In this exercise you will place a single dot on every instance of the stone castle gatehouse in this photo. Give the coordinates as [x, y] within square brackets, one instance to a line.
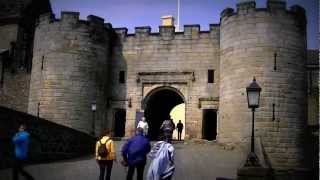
[77, 62]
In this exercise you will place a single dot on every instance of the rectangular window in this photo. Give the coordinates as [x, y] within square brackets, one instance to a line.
[122, 77]
[210, 76]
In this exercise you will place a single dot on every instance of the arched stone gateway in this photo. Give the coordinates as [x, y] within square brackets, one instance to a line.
[157, 107]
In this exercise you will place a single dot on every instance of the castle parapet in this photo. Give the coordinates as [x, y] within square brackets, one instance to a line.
[70, 17]
[95, 21]
[274, 5]
[300, 16]
[142, 31]
[227, 13]
[121, 32]
[192, 30]
[45, 18]
[246, 6]
[167, 32]
[70, 22]
[108, 25]
[214, 30]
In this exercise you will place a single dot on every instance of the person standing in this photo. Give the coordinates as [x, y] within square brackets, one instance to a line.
[162, 165]
[179, 128]
[167, 128]
[21, 143]
[135, 152]
[105, 155]
[144, 125]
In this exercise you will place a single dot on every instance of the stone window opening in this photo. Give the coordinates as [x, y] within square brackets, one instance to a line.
[275, 62]
[42, 63]
[122, 77]
[210, 76]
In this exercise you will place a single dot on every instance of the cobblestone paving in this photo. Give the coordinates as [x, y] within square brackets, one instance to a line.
[193, 162]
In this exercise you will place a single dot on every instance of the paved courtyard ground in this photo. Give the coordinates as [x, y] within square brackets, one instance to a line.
[193, 161]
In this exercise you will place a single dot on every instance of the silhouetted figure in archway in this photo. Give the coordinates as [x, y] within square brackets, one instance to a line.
[179, 128]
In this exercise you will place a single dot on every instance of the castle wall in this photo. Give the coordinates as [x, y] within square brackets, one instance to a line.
[70, 71]
[15, 90]
[185, 56]
[9, 34]
[313, 87]
[250, 38]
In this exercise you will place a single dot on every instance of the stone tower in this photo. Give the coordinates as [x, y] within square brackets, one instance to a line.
[69, 70]
[269, 44]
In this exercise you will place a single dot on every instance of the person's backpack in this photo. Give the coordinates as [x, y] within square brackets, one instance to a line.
[102, 149]
[167, 126]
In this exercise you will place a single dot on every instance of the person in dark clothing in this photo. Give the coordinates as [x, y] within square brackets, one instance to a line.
[21, 143]
[179, 128]
[135, 153]
[167, 128]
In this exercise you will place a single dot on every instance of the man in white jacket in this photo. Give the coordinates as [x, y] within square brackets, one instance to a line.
[144, 125]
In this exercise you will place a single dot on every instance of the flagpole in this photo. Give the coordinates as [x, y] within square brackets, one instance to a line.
[178, 18]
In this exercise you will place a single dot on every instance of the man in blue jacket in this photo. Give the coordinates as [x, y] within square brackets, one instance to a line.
[135, 153]
[21, 142]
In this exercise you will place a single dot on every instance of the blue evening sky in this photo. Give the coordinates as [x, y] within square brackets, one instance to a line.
[133, 13]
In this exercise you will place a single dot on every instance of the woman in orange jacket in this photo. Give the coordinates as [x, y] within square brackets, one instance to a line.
[105, 155]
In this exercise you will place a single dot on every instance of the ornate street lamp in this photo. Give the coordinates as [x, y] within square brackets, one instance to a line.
[253, 97]
[93, 109]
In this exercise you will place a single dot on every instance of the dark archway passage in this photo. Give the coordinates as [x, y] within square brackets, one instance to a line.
[157, 108]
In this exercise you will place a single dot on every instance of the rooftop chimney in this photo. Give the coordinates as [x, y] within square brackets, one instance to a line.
[167, 20]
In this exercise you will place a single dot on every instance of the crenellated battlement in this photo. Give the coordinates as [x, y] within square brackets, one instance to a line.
[72, 19]
[192, 31]
[143, 30]
[274, 7]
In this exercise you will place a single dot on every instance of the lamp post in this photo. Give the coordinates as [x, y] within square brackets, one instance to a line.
[253, 97]
[93, 109]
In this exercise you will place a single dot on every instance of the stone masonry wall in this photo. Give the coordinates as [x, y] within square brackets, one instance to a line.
[186, 55]
[14, 93]
[70, 70]
[269, 44]
[313, 87]
[8, 34]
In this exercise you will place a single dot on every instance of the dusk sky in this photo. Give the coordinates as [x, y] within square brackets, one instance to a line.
[133, 13]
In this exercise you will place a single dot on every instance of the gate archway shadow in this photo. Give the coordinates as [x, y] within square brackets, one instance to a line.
[158, 105]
